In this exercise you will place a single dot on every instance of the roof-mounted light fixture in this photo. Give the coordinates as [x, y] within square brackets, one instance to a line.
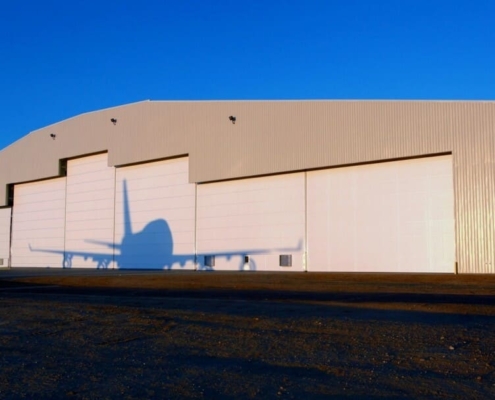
[53, 136]
[114, 121]
[233, 119]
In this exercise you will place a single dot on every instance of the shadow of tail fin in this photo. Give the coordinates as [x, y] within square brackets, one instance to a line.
[127, 213]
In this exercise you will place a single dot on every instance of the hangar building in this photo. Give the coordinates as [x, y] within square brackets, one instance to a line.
[364, 186]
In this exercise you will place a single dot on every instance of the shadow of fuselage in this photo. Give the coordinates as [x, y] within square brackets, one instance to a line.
[150, 248]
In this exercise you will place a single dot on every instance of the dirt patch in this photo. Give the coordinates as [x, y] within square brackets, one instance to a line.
[247, 335]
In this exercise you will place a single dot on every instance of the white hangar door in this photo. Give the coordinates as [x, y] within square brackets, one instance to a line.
[248, 224]
[5, 214]
[38, 224]
[386, 217]
[155, 216]
[90, 212]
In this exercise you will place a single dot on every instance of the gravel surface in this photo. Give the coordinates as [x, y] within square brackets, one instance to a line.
[175, 335]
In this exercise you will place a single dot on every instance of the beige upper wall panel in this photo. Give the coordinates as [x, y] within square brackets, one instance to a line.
[268, 136]
[280, 136]
[276, 136]
[474, 186]
[36, 156]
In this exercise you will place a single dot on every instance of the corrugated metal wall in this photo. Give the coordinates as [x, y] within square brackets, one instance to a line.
[277, 136]
[473, 129]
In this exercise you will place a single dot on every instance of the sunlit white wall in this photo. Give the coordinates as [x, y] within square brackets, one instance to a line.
[38, 224]
[260, 218]
[90, 212]
[386, 217]
[4, 236]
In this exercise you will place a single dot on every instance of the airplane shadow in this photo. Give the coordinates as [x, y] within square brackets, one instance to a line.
[153, 249]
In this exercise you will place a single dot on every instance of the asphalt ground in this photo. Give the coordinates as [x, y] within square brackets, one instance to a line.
[181, 334]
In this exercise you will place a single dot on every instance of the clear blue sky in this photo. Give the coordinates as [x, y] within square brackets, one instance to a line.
[62, 58]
